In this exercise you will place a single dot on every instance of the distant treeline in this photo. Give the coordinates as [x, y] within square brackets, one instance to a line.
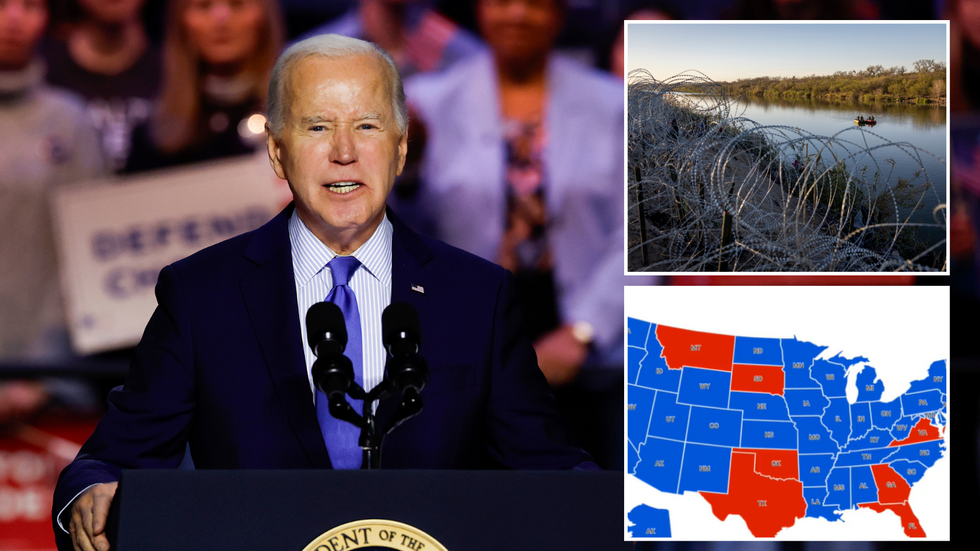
[925, 83]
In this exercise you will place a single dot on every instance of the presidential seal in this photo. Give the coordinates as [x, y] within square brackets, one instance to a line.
[374, 534]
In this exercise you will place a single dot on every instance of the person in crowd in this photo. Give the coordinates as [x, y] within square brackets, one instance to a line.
[417, 36]
[105, 55]
[964, 52]
[217, 55]
[530, 145]
[46, 142]
[224, 363]
[523, 166]
[611, 53]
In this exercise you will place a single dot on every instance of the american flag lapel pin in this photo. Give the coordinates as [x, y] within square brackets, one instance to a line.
[418, 289]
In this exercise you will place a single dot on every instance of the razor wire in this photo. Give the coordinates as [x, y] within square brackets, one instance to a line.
[715, 191]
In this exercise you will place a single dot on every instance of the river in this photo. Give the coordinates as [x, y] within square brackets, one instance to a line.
[923, 126]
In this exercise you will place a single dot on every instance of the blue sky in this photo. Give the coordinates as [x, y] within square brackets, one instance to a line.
[729, 51]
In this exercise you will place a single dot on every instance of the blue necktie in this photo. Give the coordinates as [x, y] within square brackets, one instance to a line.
[341, 436]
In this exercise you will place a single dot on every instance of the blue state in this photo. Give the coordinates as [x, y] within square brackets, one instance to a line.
[797, 358]
[805, 402]
[911, 471]
[639, 407]
[759, 405]
[780, 435]
[863, 486]
[633, 358]
[839, 488]
[669, 418]
[847, 362]
[865, 457]
[814, 468]
[721, 427]
[837, 417]
[653, 369]
[814, 437]
[757, 351]
[815, 507]
[660, 464]
[885, 414]
[935, 380]
[875, 438]
[831, 378]
[868, 389]
[902, 428]
[860, 419]
[637, 332]
[705, 387]
[921, 402]
[705, 468]
[926, 453]
[649, 522]
[632, 457]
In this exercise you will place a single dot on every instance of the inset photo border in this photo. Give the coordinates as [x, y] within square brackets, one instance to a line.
[790, 147]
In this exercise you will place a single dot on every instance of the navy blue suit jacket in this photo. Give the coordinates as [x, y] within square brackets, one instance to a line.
[221, 366]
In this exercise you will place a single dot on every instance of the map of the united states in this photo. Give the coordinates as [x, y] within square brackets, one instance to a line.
[763, 429]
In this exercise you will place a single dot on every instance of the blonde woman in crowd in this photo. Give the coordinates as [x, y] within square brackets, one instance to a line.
[217, 56]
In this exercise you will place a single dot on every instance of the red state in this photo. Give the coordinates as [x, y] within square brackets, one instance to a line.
[909, 523]
[923, 431]
[696, 349]
[892, 488]
[758, 378]
[767, 505]
[775, 463]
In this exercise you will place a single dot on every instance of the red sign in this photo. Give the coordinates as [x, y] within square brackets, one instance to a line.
[31, 458]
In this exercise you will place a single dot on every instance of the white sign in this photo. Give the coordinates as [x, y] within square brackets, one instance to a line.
[115, 235]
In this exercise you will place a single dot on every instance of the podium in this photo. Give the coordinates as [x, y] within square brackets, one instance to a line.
[289, 510]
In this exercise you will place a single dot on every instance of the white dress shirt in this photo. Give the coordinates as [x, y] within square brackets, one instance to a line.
[371, 284]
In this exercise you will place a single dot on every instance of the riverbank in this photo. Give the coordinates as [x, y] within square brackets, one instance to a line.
[867, 98]
[925, 85]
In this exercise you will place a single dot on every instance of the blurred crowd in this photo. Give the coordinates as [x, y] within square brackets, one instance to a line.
[516, 142]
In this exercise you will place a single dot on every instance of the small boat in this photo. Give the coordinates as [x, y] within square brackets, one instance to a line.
[865, 122]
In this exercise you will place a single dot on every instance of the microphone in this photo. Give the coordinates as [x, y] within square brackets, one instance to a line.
[326, 331]
[333, 373]
[407, 372]
[401, 334]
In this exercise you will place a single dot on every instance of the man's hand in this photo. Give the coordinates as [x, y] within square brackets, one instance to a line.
[560, 356]
[88, 517]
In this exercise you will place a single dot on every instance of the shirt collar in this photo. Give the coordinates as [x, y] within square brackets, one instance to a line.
[310, 255]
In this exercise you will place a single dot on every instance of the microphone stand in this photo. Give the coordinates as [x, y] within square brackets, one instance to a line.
[406, 372]
[371, 439]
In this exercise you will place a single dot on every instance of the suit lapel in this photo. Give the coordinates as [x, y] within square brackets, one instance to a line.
[409, 254]
[270, 297]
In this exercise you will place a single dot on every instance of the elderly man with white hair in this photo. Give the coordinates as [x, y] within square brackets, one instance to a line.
[224, 365]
